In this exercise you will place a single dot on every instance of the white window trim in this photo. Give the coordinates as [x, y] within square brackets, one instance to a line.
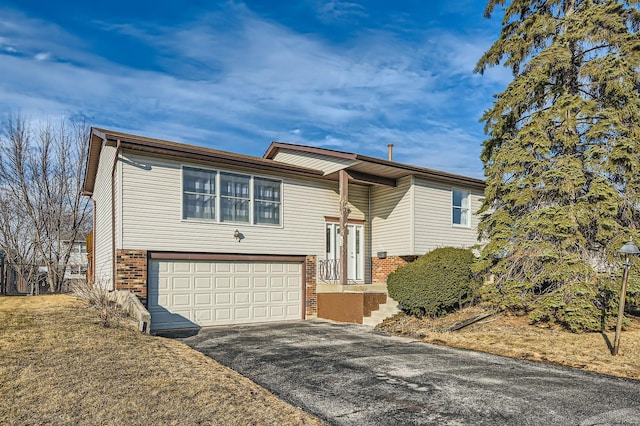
[468, 208]
[218, 197]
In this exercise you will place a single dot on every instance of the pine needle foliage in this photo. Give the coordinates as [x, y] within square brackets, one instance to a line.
[562, 158]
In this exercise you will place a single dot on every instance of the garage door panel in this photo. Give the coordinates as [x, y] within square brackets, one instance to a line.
[242, 267]
[202, 293]
[277, 311]
[242, 314]
[277, 282]
[277, 268]
[293, 282]
[180, 283]
[203, 315]
[203, 283]
[242, 298]
[241, 283]
[222, 315]
[260, 297]
[260, 282]
[203, 299]
[223, 298]
[163, 283]
[260, 268]
[293, 268]
[222, 267]
[181, 300]
[293, 296]
[181, 267]
[276, 296]
[223, 282]
[162, 267]
[260, 313]
[201, 267]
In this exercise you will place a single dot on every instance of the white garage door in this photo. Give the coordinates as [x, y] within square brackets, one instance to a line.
[186, 293]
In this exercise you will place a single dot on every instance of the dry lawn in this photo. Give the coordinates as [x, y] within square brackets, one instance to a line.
[514, 337]
[59, 366]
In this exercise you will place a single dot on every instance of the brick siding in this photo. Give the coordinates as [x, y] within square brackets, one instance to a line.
[311, 298]
[131, 272]
[381, 268]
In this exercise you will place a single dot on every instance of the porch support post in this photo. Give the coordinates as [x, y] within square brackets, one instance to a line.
[344, 217]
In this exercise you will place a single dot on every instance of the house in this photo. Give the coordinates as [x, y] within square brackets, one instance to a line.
[208, 237]
[78, 263]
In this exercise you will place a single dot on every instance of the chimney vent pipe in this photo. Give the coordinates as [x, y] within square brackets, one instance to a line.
[390, 150]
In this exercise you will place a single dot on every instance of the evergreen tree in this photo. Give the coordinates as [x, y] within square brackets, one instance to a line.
[562, 158]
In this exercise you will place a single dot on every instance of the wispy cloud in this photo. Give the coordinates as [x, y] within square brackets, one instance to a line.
[235, 81]
[42, 56]
[337, 10]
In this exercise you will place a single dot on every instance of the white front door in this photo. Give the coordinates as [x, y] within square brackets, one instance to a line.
[355, 247]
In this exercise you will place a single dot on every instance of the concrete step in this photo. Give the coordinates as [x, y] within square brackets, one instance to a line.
[383, 312]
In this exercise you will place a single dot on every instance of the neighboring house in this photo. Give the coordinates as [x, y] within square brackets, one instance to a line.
[78, 263]
[209, 237]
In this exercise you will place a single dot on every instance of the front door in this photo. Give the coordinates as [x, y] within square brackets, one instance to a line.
[355, 241]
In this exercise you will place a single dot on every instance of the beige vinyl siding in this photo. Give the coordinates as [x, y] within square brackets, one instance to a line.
[102, 237]
[152, 214]
[391, 218]
[433, 222]
[313, 161]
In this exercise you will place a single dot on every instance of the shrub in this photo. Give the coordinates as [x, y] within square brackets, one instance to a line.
[98, 297]
[436, 283]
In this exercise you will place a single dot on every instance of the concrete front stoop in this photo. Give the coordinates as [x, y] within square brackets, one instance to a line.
[384, 311]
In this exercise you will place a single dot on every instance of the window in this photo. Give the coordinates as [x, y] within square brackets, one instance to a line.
[460, 208]
[198, 194]
[267, 201]
[236, 198]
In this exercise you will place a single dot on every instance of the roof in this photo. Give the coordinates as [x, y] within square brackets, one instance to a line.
[363, 169]
[163, 148]
[378, 167]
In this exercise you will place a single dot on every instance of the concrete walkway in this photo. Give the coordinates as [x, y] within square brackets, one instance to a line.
[349, 375]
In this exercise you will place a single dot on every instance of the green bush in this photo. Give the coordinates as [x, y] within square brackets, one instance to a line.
[436, 283]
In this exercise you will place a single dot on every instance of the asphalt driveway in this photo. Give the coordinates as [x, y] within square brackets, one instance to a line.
[348, 374]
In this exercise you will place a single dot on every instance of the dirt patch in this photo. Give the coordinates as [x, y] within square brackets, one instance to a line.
[59, 366]
[514, 337]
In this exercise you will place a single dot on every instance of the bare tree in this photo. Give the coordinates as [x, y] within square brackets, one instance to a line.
[41, 170]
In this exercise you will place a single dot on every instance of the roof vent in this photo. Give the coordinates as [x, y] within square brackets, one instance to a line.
[390, 150]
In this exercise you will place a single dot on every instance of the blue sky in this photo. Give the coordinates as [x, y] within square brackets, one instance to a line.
[344, 75]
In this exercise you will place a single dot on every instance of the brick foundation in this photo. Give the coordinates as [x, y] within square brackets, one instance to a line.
[131, 272]
[311, 298]
[381, 268]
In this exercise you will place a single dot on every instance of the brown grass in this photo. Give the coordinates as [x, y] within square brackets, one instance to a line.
[59, 366]
[514, 337]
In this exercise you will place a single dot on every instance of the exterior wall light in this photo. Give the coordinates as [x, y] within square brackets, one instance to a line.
[628, 249]
[236, 235]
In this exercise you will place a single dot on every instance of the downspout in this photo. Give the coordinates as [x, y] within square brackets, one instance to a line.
[113, 216]
[370, 239]
[93, 244]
